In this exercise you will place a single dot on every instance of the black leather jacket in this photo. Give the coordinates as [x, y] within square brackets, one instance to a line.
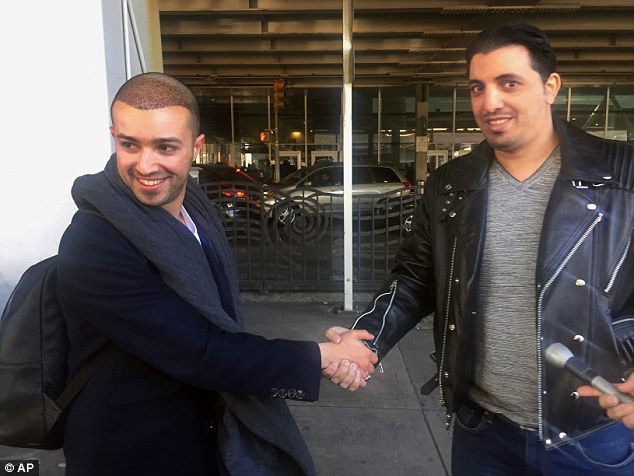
[584, 281]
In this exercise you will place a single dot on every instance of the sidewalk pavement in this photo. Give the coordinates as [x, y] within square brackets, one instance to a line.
[387, 428]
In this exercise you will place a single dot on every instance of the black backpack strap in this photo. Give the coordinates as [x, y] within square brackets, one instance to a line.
[84, 374]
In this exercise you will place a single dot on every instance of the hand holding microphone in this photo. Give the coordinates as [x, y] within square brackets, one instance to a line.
[560, 356]
[623, 412]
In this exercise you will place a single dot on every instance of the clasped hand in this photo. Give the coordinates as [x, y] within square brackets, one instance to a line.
[345, 360]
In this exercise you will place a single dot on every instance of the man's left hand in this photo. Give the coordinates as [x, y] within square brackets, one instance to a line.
[623, 412]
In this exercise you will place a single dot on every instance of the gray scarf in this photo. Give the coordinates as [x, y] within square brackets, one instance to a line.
[257, 436]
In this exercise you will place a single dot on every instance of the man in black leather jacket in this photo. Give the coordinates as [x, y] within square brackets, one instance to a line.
[522, 243]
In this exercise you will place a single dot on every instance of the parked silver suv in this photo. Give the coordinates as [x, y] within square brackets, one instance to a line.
[372, 187]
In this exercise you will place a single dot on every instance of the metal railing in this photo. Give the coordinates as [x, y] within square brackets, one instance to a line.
[294, 241]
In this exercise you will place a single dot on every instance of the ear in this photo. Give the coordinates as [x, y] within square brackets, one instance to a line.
[198, 143]
[551, 87]
[112, 131]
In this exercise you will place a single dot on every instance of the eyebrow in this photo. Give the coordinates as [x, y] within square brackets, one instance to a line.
[162, 140]
[502, 77]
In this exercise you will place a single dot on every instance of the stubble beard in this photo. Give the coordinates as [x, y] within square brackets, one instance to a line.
[159, 198]
[498, 141]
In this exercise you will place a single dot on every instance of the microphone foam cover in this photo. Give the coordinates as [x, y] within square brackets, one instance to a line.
[558, 354]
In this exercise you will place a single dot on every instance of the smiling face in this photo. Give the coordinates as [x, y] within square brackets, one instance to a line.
[155, 149]
[510, 101]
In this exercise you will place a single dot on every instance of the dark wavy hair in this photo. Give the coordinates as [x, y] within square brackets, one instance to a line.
[543, 59]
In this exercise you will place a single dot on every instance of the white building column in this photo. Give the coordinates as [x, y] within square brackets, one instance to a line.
[63, 63]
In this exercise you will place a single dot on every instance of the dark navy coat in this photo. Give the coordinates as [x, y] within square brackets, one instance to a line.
[150, 407]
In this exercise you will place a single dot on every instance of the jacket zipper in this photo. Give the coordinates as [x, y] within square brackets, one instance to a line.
[392, 294]
[618, 268]
[540, 300]
[446, 327]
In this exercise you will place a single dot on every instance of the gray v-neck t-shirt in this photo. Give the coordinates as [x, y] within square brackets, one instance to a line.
[506, 337]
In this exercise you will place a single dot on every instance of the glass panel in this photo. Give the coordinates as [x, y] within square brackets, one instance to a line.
[440, 118]
[398, 128]
[324, 113]
[560, 106]
[465, 122]
[251, 118]
[621, 113]
[447, 143]
[364, 125]
[250, 113]
[587, 108]
[215, 123]
[290, 120]
[324, 122]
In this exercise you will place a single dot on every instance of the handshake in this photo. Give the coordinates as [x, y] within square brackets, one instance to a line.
[345, 360]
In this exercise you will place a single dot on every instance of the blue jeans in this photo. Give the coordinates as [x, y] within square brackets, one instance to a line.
[494, 447]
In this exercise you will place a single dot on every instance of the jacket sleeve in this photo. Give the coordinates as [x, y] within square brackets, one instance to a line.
[108, 290]
[408, 294]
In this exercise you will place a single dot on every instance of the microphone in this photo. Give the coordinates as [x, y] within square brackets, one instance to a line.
[560, 356]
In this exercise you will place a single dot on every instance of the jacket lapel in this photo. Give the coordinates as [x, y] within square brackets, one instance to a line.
[573, 207]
